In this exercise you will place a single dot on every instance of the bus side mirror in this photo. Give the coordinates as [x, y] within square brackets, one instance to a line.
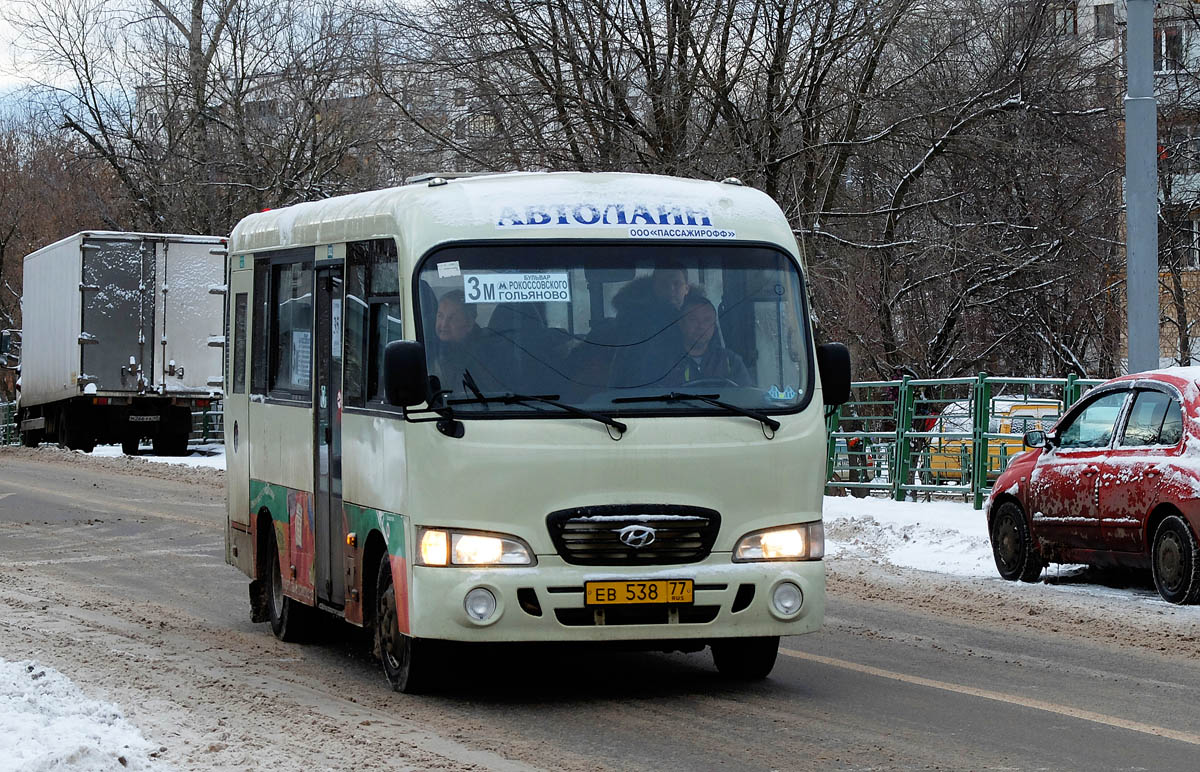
[833, 360]
[404, 378]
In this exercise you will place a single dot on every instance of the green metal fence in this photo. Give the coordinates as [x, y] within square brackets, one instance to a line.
[940, 436]
[8, 424]
[208, 425]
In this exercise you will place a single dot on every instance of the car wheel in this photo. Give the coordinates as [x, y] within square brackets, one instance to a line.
[1175, 561]
[1012, 546]
[746, 659]
[405, 659]
[289, 618]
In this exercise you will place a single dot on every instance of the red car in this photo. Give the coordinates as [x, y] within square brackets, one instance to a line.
[1116, 482]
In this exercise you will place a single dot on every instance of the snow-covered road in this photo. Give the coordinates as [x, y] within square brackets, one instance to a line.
[49, 723]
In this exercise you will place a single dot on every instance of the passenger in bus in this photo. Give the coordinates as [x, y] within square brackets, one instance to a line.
[650, 326]
[671, 285]
[463, 347]
[704, 358]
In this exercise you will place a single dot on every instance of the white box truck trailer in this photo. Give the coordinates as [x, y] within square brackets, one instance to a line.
[121, 339]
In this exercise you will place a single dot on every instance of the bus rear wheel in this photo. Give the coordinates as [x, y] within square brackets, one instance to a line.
[745, 659]
[289, 618]
[404, 657]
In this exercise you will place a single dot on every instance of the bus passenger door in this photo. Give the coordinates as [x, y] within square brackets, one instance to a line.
[236, 407]
[330, 522]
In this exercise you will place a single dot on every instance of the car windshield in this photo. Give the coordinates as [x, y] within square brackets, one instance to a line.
[590, 324]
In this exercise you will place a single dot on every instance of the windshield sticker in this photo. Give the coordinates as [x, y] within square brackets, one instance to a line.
[448, 270]
[517, 288]
[600, 214]
[787, 393]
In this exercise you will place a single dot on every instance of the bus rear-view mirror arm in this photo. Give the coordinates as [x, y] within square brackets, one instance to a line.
[833, 361]
[405, 379]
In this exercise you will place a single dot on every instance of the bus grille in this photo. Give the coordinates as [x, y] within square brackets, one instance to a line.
[591, 536]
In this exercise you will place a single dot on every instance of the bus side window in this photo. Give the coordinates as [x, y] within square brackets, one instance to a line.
[291, 329]
[260, 335]
[372, 318]
[239, 343]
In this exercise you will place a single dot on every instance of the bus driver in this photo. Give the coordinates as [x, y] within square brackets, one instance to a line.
[704, 357]
[462, 344]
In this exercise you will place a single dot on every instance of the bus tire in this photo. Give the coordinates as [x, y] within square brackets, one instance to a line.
[745, 659]
[402, 655]
[288, 617]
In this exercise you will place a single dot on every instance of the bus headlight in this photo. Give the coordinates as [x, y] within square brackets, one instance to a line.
[440, 547]
[794, 542]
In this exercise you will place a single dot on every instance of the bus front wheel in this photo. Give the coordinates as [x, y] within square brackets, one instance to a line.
[402, 655]
[746, 659]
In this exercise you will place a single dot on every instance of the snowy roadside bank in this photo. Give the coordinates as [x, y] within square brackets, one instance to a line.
[49, 724]
[211, 456]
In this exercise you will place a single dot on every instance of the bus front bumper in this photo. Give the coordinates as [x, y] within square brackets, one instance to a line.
[546, 602]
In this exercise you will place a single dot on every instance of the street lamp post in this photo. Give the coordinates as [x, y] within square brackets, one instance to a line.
[1141, 189]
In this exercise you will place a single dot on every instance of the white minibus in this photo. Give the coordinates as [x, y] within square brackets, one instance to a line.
[553, 407]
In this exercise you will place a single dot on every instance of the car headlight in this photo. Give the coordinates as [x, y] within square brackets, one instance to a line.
[794, 542]
[443, 546]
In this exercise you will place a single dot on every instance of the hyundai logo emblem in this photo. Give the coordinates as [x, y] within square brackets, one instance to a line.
[636, 536]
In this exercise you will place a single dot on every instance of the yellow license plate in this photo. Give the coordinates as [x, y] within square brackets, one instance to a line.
[651, 591]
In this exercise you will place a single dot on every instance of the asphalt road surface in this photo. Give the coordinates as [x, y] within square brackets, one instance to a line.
[117, 579]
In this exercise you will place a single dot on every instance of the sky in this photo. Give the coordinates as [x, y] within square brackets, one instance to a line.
[8, 78]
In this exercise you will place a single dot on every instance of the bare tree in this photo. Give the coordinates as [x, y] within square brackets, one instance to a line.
[208, 109]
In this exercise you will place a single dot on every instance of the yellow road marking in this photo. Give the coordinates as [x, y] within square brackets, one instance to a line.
[1012, 699]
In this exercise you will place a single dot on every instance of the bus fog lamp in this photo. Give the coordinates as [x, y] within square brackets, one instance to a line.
[787, 599]
[480, 604]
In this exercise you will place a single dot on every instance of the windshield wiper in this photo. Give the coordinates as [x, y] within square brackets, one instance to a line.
[469, 382]
[510, 398]
[711, 399]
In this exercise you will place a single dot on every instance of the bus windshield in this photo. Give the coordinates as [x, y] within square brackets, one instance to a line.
[614, 328]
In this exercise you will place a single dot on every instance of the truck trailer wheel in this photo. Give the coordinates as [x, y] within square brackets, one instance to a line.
[176, 429]
[131, 445]
[61, 428]
[171, 443]
[74, 431]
